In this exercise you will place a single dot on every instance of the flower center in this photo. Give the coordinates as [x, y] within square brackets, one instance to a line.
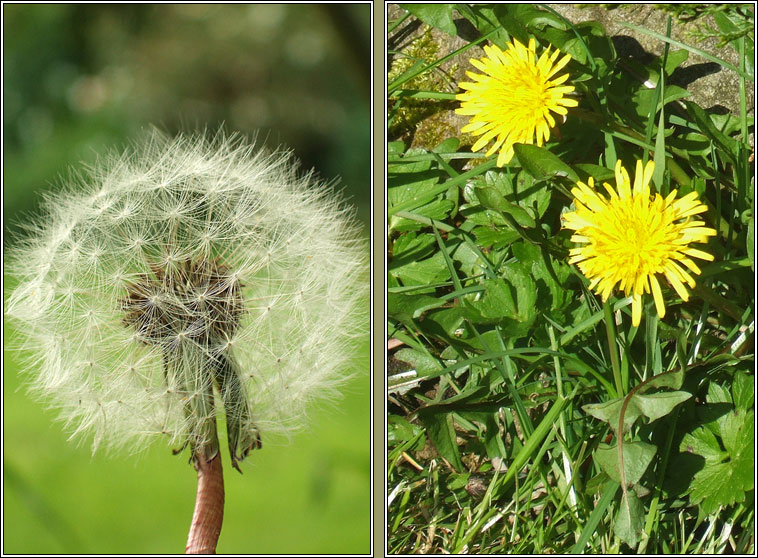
[523, 91]
[635, 239]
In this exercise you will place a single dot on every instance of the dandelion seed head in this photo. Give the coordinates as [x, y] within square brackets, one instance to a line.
[188, 277]
[630, 238]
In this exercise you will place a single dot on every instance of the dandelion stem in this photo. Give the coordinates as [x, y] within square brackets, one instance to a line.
[209, 506]
[610, 328]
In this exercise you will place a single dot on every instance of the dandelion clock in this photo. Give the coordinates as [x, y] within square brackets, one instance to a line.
[183, 280]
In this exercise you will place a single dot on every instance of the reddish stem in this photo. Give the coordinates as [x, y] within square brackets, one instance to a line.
[209, 507]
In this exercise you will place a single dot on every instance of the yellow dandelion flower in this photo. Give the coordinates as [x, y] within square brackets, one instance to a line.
[512, 99]
[630, 238]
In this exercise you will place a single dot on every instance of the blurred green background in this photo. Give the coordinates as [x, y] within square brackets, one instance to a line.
[80, 79]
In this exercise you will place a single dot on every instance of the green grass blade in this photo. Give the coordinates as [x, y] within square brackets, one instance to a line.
[609, 493]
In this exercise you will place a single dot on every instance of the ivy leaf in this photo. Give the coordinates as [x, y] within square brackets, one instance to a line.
[660, 404]
[652, 406]
[637, 458]
[630, 519]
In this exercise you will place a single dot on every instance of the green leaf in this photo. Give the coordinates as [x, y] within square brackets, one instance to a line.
[435, 15]
[730, 24]
[437, 210]
[551, 294]
[498, 301]
[423, 363]
[743, 391]
[599, 173]
[450, 145]
[410, 247]
[630, 519]
[541, 163]
[411, 180]
[750, 240]
[400, 430]
[425, 272]
[652, 406]
[671, 379]
[520, 198]
[645, 99]
[439, 427]
[408, 307]
[490, 198]
[458, 481]
[485, 19]
[716, 486]
[728, 469]
[608, 411]
[493, 440]
[659, 405]
[675, 59]
[445, 322]
[487, 237]
[637, 458]
[529, 194]
[593, 35]
[702, 442]
[508, 301]
[726, 145]
[395, 148]
[732, 428]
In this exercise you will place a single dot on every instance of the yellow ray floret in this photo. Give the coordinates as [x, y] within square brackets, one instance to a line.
[512, 99]
[629, 239]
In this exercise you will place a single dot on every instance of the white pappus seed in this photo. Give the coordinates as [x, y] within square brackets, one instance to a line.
[185, 267]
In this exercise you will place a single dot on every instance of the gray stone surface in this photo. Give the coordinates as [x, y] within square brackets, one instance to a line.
[712, 85]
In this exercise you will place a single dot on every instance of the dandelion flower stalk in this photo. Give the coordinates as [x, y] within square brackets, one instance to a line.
[185, 278]
[511, 101]
[630, 238]
[209, 508]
